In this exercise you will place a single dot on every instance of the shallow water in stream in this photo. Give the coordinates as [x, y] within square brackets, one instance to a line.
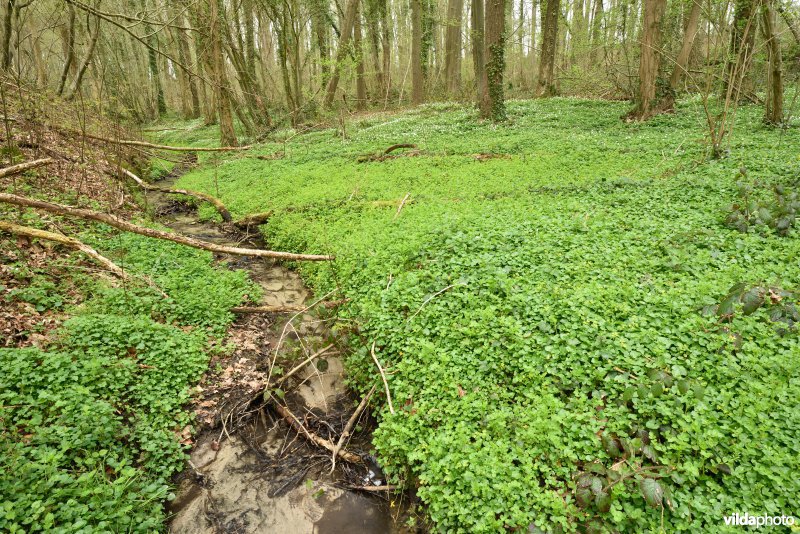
[237, 481]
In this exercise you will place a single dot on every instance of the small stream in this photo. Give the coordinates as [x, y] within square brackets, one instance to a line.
[245, 481]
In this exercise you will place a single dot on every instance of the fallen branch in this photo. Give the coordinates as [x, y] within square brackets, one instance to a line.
[373, 488]
[22, 167]
[126, 226]
[71, 242]
[389, 203]
[289, 308]
[383, 377]
[255, 219]
[295, 423]
[398, 147]
[77, 245]
[218, 205]
[305, 362]
[402, 203]
[387, 154]
[349, 426]
[144, 144]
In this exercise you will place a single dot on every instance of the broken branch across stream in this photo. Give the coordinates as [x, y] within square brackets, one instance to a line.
[121, 224]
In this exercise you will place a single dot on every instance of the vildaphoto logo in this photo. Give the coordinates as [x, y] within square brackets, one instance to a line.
[747, 520]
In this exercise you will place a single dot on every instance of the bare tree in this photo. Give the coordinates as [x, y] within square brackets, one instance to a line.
[452, 58]
[545, 83]
[492, 102]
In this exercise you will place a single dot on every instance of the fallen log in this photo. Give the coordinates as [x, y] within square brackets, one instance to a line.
[144, 144]
[295, 423]
[255, 219]
[126, 226]
[22, 167]
[218, 205]
[387, 154]
[71, 242]
[288, 308]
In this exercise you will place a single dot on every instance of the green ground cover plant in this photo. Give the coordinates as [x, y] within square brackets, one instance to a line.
[91, 427]
[562, 307]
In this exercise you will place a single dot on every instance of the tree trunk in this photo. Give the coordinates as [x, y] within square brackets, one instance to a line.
[650, 59]
[595, 37]
[492, 102]
[452, 57]
[227, 135]
[386, 47]
[69, 49]
[417, 73]
[689, 34]
[790, 21]
[361, 83]
[478, 61]
[7, 29]
[76, 84]
[774, 102]
[341, 53]
[545, 84]
[741, 51]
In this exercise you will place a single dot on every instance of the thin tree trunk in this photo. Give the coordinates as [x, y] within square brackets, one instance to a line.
[386, 47]
[595, 36]
[361, 84]
[7, 30]
[492, 103]
[545, 83]
[342, 51]
[478, 22]
[741, 50]
[689, 34]
[76, 84]
[69, 49]
[417, 73]
[774, 102]
[452, 58]
[790, 21]
[227, 135]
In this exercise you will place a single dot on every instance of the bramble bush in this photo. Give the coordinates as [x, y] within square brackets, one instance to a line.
[571, 331]
[90, 429]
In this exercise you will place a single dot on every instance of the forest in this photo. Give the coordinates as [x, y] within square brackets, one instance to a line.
[399, 266]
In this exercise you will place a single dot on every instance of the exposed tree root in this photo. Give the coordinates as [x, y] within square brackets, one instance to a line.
[126, 226]
[218, 205]
[22, 167]
[295, 423]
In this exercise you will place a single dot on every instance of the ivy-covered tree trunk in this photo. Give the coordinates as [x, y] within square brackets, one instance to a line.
[227, 135]
[492, 103]
[773, 113]
[545, 84]
[478, 21]
[649, 62]
[741, 50]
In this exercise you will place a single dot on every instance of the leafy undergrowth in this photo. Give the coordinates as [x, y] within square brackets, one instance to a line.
[93, 423]
[559, 306]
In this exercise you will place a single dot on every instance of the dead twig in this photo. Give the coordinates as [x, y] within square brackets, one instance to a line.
[349, 427]
[383, 377]
[402, 203]
[295, 423]
[305, 362]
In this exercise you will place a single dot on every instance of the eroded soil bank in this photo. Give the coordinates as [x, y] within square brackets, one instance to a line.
[249, 470]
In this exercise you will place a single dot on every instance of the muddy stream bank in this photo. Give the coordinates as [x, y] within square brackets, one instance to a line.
[249, 472]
